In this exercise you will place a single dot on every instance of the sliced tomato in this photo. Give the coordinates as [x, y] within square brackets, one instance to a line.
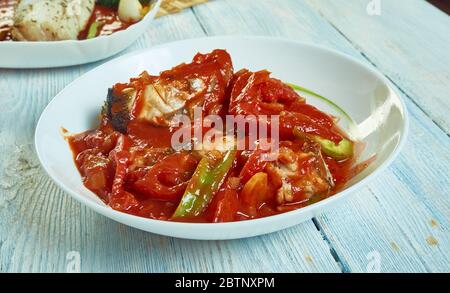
[312, 112]
[167, 179]
[119, 198]
[254, 164]
[97, 171]
[289, 120]
[227, 202]
[256, 93]
[215, 70]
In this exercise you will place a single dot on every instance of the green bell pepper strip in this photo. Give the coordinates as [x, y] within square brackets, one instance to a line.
[93, 29]
[341, 151]
[206, 181]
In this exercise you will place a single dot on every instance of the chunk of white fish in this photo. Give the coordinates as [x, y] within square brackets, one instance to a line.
[316, 180]
[51, 20]
[163, 100]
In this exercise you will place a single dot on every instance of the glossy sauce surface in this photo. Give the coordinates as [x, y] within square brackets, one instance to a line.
[141, 134]
[108, 19]
[129, 161]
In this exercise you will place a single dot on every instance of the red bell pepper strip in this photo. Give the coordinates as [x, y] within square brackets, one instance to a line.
[228, 201]
[120, 199]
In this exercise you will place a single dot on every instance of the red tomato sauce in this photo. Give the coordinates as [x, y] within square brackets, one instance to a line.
[6, 18]
[108, 19]
[92, 152]
[134, 168]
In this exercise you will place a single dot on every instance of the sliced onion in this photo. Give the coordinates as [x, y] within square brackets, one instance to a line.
[130, 10]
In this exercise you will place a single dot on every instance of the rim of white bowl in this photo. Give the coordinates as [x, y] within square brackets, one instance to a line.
[121, 216]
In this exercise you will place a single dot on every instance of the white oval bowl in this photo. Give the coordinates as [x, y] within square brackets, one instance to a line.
[379, 115]
[72, 52]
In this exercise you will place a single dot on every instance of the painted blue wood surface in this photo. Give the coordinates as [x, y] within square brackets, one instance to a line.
[402, 216]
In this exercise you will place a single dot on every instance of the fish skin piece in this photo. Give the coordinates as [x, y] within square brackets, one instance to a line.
[51, 20]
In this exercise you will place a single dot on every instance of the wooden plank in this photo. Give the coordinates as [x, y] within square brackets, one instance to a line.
[41, 224]
[409, 42]
[286, 251]
[392, 215]
[392, 46]
[403, 214]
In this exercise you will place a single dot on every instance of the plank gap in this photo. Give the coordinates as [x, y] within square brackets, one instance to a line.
[197, 18]
[343, 265]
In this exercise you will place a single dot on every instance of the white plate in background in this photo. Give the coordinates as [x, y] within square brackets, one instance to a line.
[368, 97]
[16, 54]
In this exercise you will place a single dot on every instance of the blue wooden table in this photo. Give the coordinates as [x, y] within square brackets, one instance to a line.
[398, 223]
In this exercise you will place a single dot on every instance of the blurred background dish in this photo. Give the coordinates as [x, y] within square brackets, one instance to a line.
[80, 31]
